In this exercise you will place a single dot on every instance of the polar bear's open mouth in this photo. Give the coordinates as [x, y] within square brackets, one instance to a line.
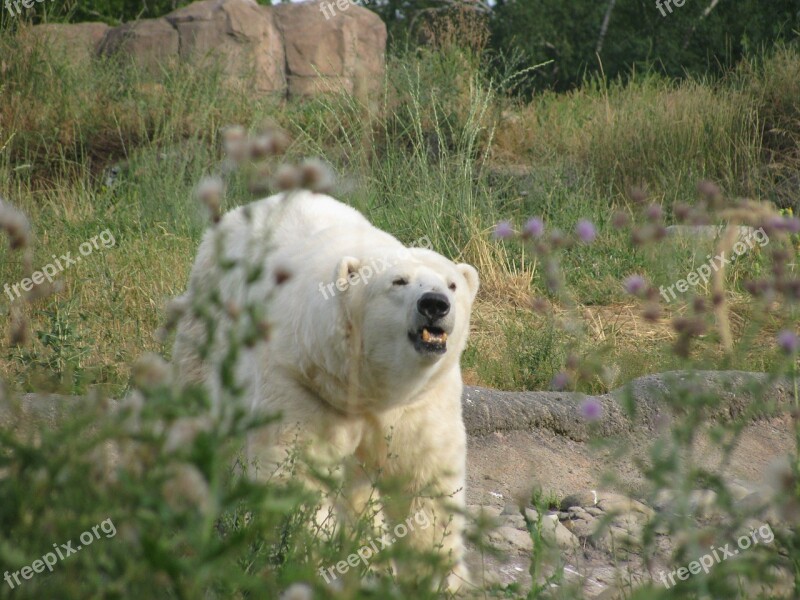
[429, 340]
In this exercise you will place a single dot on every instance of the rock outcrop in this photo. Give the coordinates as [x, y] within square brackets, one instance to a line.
[239, 33]
[149, 43]
[345, 52]
[288, 49]
[80, 41]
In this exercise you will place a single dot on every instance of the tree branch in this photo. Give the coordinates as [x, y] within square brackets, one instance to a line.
[604, 26]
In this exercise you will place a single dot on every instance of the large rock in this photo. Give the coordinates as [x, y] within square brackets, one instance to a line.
[740, 393]
[324, 53]
[290, 48]
[80, 41]
[238, 33]
[149, 43]
[239, 36]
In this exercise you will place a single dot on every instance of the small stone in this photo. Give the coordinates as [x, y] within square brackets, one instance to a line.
[554, 532]
[532, 515]
[586, 498]
[577, 510]
[510, 509]
[664, 499]
[740, 489]
[755, 501]
[610, 502]
[517, 521]
[488, 513]
[511, 539]
[702, 502]
[298, 591]
[582, 528]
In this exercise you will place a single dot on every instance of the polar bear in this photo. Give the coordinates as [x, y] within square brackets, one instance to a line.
[360, 357]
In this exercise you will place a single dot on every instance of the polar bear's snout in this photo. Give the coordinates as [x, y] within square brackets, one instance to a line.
[433, 322]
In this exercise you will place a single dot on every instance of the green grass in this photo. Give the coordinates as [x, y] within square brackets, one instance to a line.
[426, 160]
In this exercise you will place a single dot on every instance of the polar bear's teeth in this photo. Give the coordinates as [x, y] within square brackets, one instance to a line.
[428, 337]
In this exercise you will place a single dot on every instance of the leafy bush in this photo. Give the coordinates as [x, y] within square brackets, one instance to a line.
[686, 41]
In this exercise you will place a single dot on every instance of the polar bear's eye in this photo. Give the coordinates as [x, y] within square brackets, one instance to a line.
[400, 281]
[452, 287]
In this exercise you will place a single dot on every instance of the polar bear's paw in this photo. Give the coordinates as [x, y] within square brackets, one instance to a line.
[458, 581]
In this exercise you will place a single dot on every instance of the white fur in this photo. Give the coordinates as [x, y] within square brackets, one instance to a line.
[340, 369]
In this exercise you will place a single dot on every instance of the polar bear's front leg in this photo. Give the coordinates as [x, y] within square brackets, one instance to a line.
[310, 444]
[434, 520]
[428, 445]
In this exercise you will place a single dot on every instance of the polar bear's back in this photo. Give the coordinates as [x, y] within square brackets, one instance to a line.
[303, 214]
[283, 229]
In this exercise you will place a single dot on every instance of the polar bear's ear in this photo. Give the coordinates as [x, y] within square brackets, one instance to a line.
[471, 275]
[344, 270]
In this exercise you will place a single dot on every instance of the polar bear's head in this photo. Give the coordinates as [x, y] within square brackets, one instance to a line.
[411, 308]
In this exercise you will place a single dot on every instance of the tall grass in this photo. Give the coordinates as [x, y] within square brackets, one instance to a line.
[442, 153]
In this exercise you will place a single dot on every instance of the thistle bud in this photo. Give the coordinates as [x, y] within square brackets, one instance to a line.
[234, 143]
[210, 191]
[19, 327]
[287, 178]
[150, 371]
[316, 176]
[16, 226]
[637, 195]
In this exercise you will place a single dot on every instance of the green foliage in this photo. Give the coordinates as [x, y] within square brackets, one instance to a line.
[638, 39]
[531, 355]
[55, 362]
[112, 12]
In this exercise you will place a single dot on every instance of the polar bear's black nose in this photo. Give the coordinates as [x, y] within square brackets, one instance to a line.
[433, 305]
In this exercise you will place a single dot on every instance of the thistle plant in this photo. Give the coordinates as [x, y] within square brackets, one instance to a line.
[693, 409]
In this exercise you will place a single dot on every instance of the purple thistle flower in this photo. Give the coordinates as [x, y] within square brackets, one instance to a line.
[585, 231]
[634, 285]
[654, 212]
[534, 227]
[776, 223]
[792, 225]
[591, 409]
[560, 381]
[788, 341]
[503, 230]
